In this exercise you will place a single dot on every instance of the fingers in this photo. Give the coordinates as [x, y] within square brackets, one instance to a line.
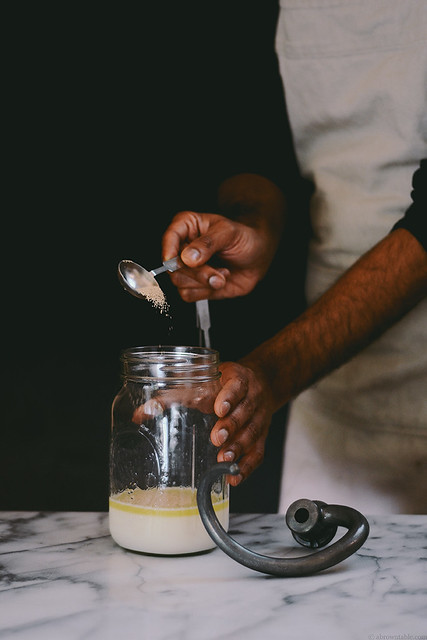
[148, 410]
[210, 234]
[235, 385]
[247, 449]
[156, 407]
[183, 229]
[243, 423]
[241, 440]
[248, 463]
[198, 236]
[196, 284]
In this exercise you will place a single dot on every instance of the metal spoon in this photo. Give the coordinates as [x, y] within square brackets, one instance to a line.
[135, 279]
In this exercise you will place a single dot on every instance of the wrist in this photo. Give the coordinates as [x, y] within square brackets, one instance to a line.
[264, 369]
[254, 201]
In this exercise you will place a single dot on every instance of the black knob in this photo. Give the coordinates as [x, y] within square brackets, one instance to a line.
[306, 521]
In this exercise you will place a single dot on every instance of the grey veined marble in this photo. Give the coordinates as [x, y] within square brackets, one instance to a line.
[63, 578]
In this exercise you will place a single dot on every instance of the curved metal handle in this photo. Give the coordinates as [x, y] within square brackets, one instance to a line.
[313, 524]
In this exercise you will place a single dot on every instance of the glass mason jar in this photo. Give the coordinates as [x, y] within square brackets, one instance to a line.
[160, 447]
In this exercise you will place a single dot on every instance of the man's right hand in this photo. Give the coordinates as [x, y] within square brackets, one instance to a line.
[239, 249]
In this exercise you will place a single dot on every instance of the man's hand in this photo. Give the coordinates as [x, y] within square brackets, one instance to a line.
[242, 242]
[238, 248]
[244, 409]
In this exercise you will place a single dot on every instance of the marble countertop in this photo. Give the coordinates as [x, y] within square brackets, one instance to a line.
[63, 577]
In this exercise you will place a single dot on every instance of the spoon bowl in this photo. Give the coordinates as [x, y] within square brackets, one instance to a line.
[135, 279]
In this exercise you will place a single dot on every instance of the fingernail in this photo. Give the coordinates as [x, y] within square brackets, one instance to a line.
[224, 408]
[229, 456]
[216, 282]
[222, 436]
[191, 254]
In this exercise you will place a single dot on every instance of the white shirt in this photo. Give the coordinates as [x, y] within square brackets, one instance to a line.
[355, 80]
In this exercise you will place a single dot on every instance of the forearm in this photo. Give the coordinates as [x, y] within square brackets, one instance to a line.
[377, 291]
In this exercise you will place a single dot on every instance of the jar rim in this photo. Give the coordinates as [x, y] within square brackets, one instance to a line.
[177, 363]
[161, 348]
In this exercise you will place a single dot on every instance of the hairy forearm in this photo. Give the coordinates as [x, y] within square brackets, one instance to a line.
[377, 291]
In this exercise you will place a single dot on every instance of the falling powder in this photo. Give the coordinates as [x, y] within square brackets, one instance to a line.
[138, 281]
[155, 295]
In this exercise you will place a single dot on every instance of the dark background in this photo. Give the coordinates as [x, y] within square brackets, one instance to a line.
[117, 120]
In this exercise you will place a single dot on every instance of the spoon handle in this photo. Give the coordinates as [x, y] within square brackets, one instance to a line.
[168, 265]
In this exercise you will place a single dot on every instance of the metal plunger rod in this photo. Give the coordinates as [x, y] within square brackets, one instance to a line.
[203, 322]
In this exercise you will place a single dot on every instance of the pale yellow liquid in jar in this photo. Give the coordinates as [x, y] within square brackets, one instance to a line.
[162, 521]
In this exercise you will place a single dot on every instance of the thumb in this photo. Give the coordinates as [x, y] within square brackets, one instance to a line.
[218, 238]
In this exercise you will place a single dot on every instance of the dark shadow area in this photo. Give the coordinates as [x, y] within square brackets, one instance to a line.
[119, 120]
